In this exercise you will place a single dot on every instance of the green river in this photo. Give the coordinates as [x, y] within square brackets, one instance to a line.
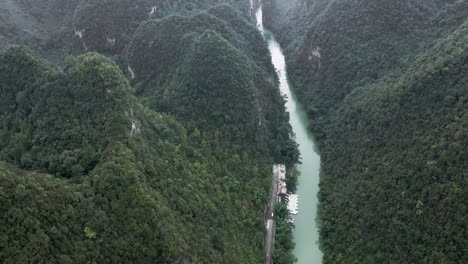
[306, 233]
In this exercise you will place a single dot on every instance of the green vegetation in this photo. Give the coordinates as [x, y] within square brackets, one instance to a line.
[60, 122]
[108, 25]
[284, 236]
[212, 70]
[200, 68]
[385, 87]
[53, 27]
[45, 26]
[181, 172]
[109, 180]
[408, 168]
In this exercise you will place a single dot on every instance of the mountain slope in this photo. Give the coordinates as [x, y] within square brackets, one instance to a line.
[45, 26]
[55, 28]
[204, 70]
[385, 88]
[403, 179]
[144, 188]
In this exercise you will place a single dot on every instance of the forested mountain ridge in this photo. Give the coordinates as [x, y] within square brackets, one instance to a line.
[121, 28]
[162, 151]
[117, 155]
[95, 169]
[385, 87]
[58, 27]
[45, 26]
[369, 41]
[408, 169]
[36, 104]
[175, 62]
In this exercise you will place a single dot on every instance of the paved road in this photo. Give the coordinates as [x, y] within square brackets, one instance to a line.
[270, 216]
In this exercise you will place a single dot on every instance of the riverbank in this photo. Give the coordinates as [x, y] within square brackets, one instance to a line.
[306, 232]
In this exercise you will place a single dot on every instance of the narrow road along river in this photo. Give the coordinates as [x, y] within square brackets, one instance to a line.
[306, 233]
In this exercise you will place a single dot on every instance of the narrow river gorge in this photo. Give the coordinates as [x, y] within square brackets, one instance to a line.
[306, 232]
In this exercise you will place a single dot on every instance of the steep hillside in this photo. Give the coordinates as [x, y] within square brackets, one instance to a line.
[384, 85]
[211, 69]
[45, 113]
[171, 166]
[128, 185]
[59, 27]
[348, 44]
[46, 25]
[399, 165]
[108, 26]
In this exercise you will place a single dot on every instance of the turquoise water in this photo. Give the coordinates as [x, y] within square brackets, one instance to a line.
[306, 233]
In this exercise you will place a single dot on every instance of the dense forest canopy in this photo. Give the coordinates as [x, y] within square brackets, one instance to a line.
[144, 131]
[385, 87]
[140, 156]
[176, 61]
[57, 27]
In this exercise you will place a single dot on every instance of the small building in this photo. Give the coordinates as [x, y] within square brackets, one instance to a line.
[282, 172]
[282, 190]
